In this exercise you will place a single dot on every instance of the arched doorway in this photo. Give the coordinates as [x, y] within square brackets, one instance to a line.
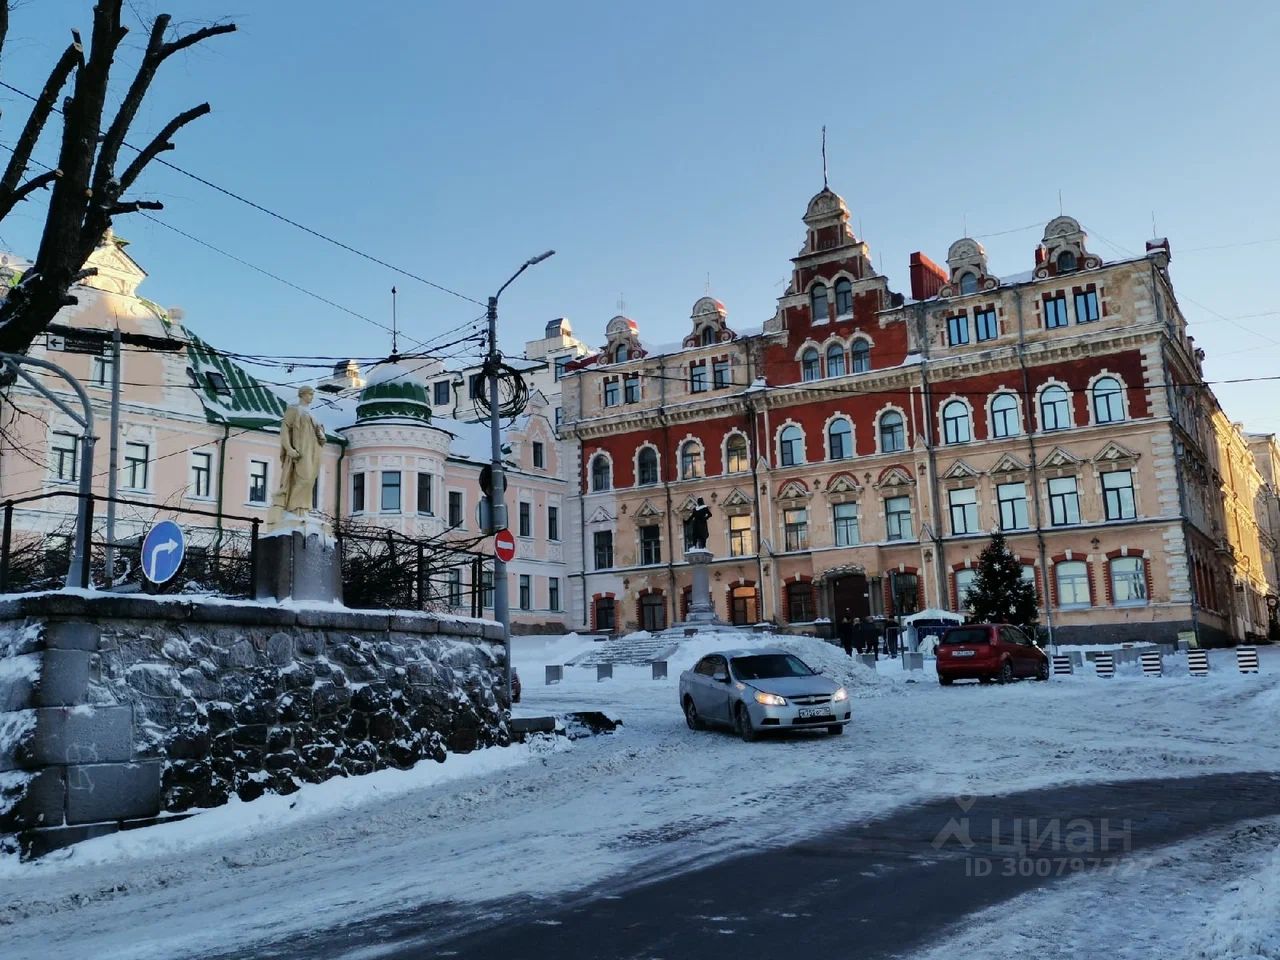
[744, 605]
[653, 612]
[850, 596]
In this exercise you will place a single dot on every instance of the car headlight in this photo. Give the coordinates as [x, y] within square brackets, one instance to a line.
[770, 699]
[841, 694]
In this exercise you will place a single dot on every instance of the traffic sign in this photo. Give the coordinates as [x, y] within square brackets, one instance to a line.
[163, 551]
[504, 546]
[486, 480]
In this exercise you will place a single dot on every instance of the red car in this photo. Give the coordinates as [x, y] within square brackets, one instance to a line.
[989, 652]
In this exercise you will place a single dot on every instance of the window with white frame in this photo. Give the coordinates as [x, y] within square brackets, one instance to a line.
[442, 392]
[1128, 581]
[1064, 501]
[201, 474]
[456, 518]
[486, 588]
[357, 493]
[897, 515]
[526, 519]
[647, 466]
[454, 585]
[795, 528]
[1073, 583]
[736, 457]
[1055, 408]
[845, 518]
[835, 360]
[258, 471]
[601, 473]
[692, 465]
[553, 523]
[526, 591]
[964, 581]
[810, 365]
[956, 424]
[985, 323]
[1117, 495]
[64, 457]
[964, 510]
[893, 433]
[602, 548]
[137, 466]
[844, 297]
[1108, 400]
[650, 545]
[102, 364]
[539, 455]
[1012, 500]
[553, 593]
[740, 539]
[1005, 421]
[389, 501]
[791, 445]
[425, 503]
[840, 439]
[958, 329]
[859, 356]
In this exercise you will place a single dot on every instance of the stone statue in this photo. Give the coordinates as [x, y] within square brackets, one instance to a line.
[301, 446]
[698, 520]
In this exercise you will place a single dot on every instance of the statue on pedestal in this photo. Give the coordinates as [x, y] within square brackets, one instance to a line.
[698, 520]
[302, 442]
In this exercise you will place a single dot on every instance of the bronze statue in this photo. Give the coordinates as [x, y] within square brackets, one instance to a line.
[698, 524]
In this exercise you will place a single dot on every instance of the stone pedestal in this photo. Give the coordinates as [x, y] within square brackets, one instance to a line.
[701, 609]
[293, 565]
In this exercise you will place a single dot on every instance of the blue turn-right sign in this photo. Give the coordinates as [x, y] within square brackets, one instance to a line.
[162, 552]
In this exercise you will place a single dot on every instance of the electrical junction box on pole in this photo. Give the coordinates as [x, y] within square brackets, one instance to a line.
[484, 518]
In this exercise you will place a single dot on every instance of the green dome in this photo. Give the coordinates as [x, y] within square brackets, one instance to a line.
[394, 394]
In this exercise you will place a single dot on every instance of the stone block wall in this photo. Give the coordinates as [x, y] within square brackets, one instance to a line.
[116, 709]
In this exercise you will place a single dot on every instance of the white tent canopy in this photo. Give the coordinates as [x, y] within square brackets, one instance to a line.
[934, 614]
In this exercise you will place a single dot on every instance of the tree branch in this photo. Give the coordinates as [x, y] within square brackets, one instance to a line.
[133, 206]
[21, 158]
[28, 188]
[161, 143]
[192, 39]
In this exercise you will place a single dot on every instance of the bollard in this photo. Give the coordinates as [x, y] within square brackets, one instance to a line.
[1198, 662]
[1247, 659]
[604, 671]
[1104, 664]
[659, 669]
[912, 661]
[1062, 665]
[554, 674]
[1152, 664]
[1077, 659]
[868, 660]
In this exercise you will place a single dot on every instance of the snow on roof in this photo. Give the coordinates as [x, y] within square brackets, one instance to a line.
[471, 441]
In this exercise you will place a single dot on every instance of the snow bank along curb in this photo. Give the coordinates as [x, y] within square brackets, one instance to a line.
[113, 709]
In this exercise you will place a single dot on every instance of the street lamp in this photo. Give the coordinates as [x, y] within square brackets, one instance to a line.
[497, 478]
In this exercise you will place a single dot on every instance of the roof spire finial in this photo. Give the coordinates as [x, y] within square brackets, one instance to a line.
[395, 353]
[824, 156]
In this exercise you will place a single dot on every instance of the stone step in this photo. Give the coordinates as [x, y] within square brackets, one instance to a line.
[637, 652]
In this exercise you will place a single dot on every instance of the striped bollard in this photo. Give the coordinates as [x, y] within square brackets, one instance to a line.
[1104, 664]
[1247, 659]
[1062, 664]
[604, 671]
[1198, 662]
[1152, 664]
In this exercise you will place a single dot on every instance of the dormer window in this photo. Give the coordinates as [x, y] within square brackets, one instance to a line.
[622, 354]
[844, 297]
[818, 303]
[708, 336]
[217, 383]
[968, 283]
[1066, 261]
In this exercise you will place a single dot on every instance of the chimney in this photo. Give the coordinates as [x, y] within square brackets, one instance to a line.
[927, 278]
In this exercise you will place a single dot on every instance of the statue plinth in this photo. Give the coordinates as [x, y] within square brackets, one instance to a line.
[298, 563]
[701, 608]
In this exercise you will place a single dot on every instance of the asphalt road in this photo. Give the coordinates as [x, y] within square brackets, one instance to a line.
[874, 889]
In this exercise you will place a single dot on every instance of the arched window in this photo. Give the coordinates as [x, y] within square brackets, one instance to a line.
[653, 612]
[818, 303]
[1073, 583]
[708, 336]
[604, 614]
[736, 459]
[1055, 408]
[844, 297]
[893, 434]
[1004, 416]
[956, 427]
[691, 464]
[835, 360]
[601, 475]
[791, 445]
[840, 439]
[1128, 581]
[1066, 261]
[800, 602]
[622, 354]
[860, 357]
[1108, 400]
[968, 283]
[647, 466]
[809, 365]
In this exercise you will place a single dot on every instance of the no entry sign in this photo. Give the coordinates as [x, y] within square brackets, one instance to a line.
[504, 546]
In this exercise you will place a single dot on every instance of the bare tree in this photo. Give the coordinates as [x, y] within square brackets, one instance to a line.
[87, 190]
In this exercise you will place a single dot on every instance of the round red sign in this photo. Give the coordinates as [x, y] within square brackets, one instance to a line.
[504, 546]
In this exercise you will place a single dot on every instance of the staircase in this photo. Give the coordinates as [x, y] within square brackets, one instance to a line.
[636, 652]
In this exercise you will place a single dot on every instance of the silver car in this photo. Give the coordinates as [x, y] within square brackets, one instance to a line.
[755, 691]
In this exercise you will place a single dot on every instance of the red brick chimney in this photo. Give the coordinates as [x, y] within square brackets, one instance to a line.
[927, 278]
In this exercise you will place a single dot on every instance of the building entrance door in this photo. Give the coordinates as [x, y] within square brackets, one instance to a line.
[653, 612]
[744, 609]
[849, 597]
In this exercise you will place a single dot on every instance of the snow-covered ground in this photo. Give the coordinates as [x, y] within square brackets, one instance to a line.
[539, 820]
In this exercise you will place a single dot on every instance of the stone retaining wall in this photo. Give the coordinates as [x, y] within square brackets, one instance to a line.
[117, 709]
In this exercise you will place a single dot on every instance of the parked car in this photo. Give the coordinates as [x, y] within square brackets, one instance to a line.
[756, 691]
[989, 652]
[515, 686]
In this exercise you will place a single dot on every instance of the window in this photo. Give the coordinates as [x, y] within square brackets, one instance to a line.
[958, 329]
[258, 481]
[561, 363]
[968, 283]
[1073, 583]
[893, 435]
[217, 383]
[553, 593]
[611, 392]
[559, 415]
[622, 354]
[136, 472]
[1055, 408]
[800, 602]
[486, 588]
[441, 392]
[964, 580]
[64, 453]
[844, 297]
[526, 592]
[720, 374]
[647, 466]
[455, 508]
[905, 590]
[840, 439]
[526, 519]
[707, 337]
[791, 446]
[201, 474]
[357, 493]
[602, 542]
[390, 502]
[860, 357]
[474, 386]
[1117, 495]
[553, 523]
[1086, 306]
[691, 465]
[604, 613]
[631, 388]
[1004, 416]
[897, 515]
[426, 505]
[1012, 499]
[102, 366]
[453, 584]
[809, 365]
[795, 528]
[964, 511]
[740, 539]
[653, 612]
[1128, 581]
[601, 478]
[956, 427]
[736, 458]
[845, 516]
[835, 360]
[698, 377]
[1064, 501]
[1108, 401]
[650, 546]
[1066, 261]
[986, 324]
[818, 303]
[1055, 311]
[539, 455]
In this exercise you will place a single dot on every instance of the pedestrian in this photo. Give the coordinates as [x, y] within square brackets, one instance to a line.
[891, 640]
[845, 633]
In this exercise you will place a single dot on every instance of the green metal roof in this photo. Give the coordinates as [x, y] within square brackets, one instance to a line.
[246, 404]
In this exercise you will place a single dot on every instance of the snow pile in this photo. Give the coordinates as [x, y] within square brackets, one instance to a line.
[1245, 922]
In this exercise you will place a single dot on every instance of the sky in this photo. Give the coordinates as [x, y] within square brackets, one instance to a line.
[666, 149]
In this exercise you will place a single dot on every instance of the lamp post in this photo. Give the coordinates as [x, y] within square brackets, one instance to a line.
[497, 478]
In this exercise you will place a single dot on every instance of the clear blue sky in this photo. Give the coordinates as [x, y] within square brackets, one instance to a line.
[653, 145]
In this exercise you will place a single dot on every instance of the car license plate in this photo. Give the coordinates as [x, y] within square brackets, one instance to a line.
[808, 712]
[962, 653]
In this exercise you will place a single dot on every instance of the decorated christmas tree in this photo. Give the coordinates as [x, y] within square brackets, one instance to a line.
[999, 594]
